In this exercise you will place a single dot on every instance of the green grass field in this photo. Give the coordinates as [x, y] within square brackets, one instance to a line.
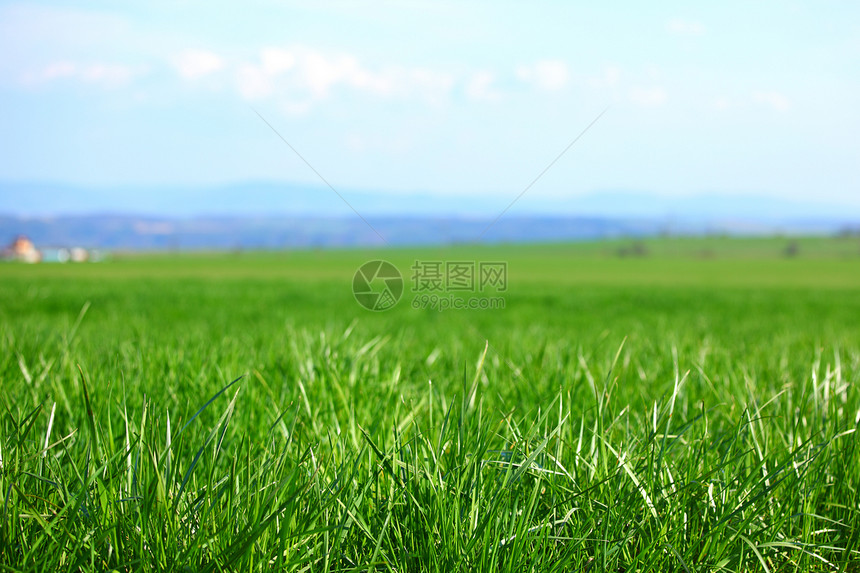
[674, 405]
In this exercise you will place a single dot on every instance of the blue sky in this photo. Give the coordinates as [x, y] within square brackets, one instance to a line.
[446, 98]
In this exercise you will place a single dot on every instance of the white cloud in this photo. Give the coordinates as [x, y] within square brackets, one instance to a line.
[610, 78]
[109, 74]
[305, 74]
[549, 75]
[58, 70]
[774, 100]
[105, 75]
[683, 27]
[277, 60]
[253, 82]
[320, 72]
[648, 97]
[195, 64]
[480, 87]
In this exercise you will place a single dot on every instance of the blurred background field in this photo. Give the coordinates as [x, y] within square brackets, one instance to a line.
[727, 293]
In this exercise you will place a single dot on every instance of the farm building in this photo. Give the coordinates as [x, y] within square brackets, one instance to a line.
[22, 249]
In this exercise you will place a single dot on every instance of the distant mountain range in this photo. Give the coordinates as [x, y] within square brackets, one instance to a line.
[269, 198]
[128, 232]
[270, 215]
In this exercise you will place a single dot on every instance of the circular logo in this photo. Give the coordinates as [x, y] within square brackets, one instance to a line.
[377, 285]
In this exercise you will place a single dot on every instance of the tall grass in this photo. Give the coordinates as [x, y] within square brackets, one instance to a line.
[361, 470]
